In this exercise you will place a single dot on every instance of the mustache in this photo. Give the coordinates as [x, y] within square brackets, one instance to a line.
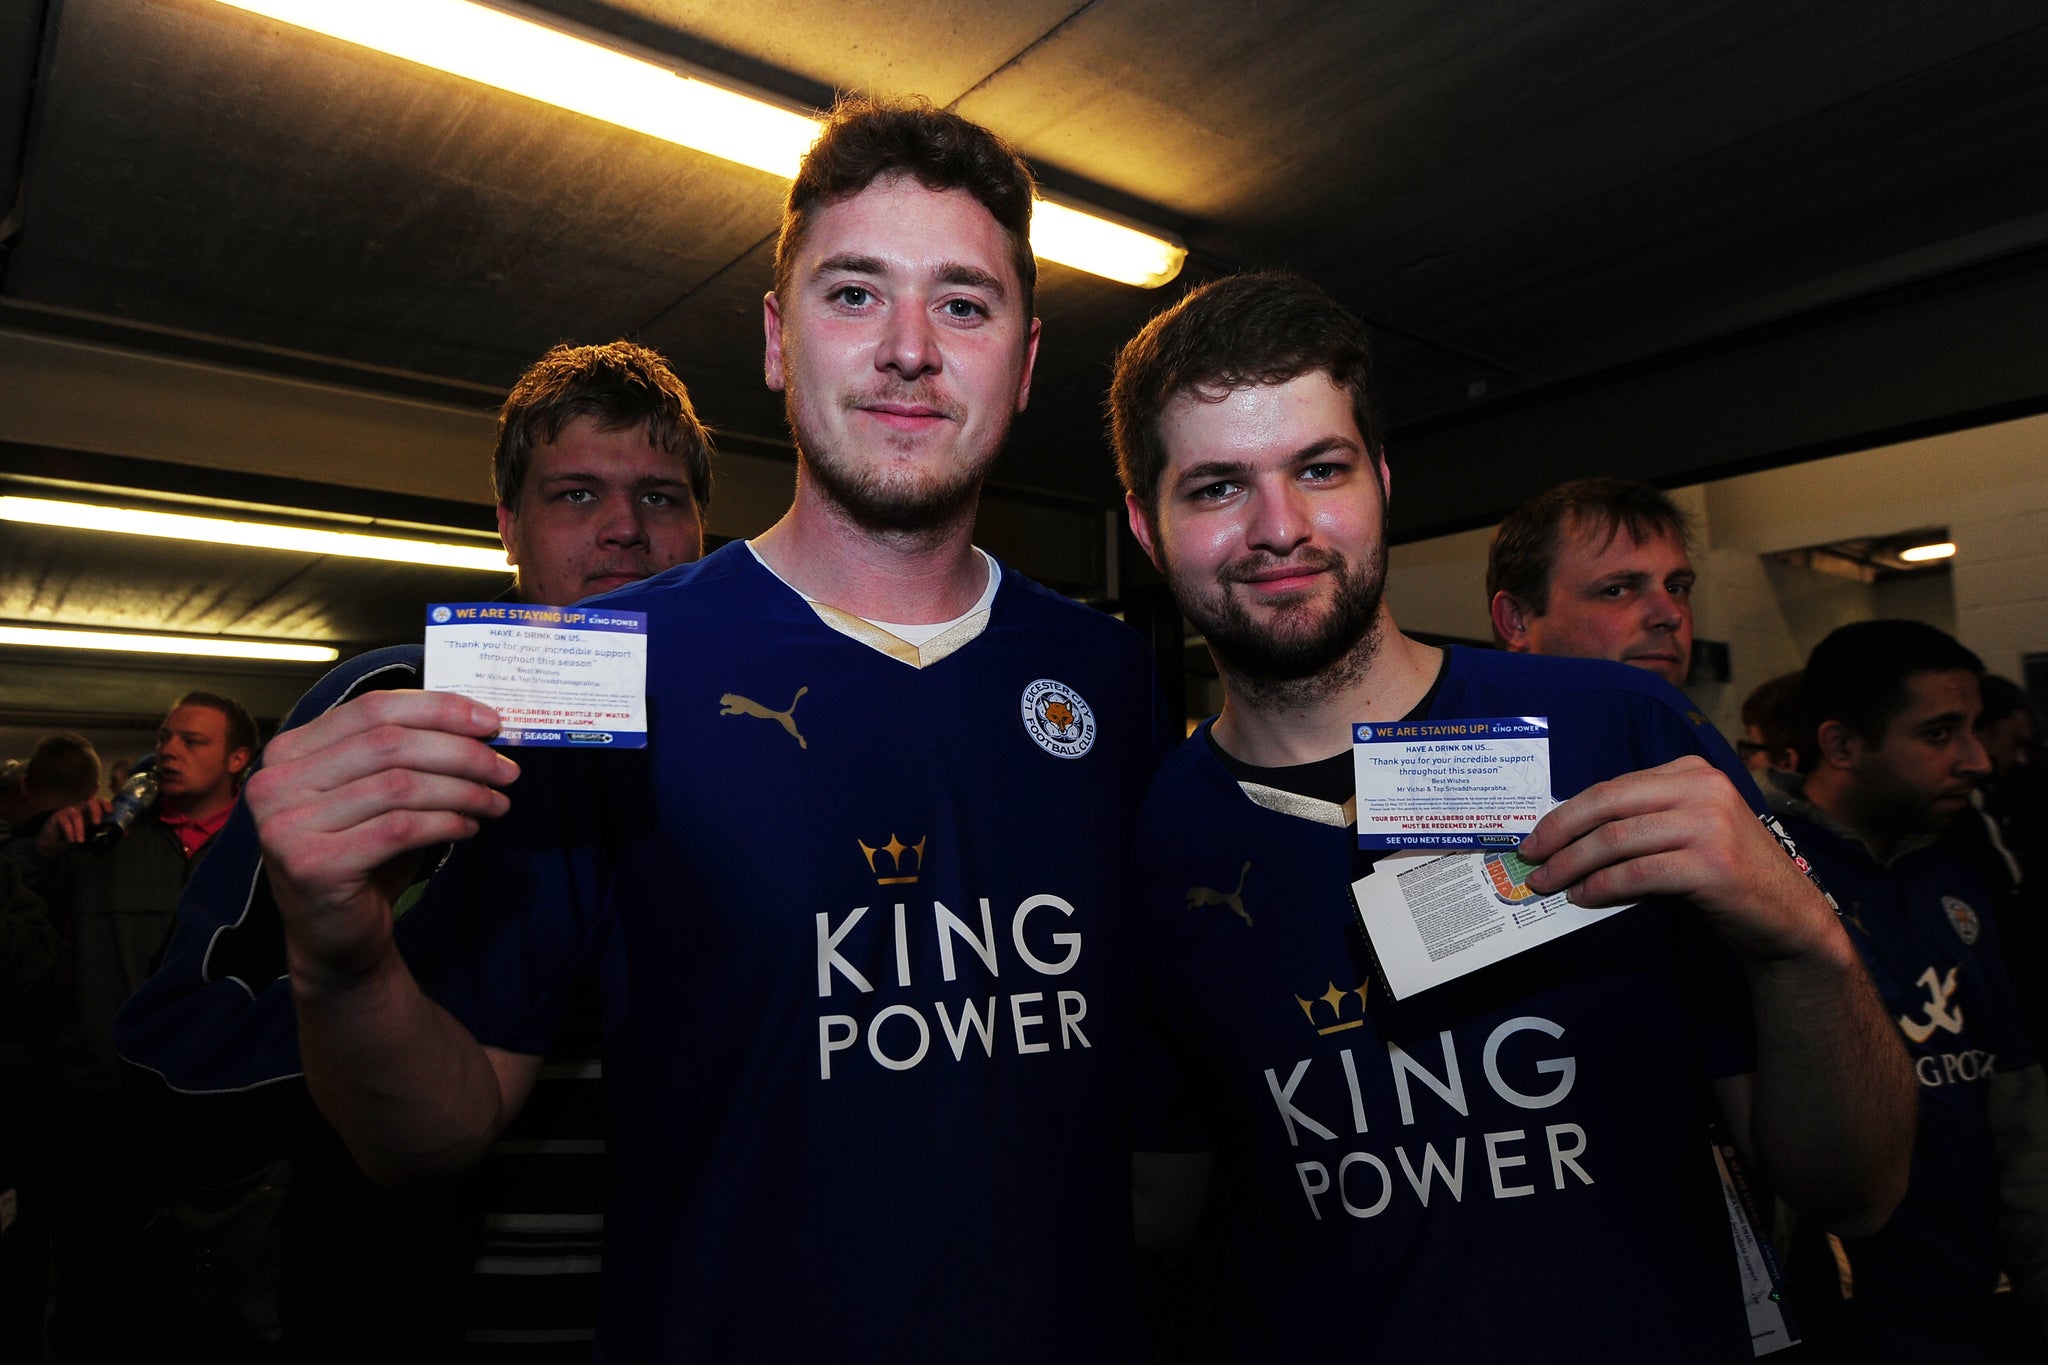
[1256, 565]
[919, 395]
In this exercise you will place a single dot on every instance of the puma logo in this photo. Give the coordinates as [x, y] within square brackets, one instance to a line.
[733, 704]
[1939, 1015]
[1199, 896]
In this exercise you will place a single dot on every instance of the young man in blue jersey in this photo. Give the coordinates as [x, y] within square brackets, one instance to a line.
[855, 909]
[1888, 729]
[1512, 1165]
[603, 477]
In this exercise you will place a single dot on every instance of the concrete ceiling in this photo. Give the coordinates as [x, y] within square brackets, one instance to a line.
[1668, 241]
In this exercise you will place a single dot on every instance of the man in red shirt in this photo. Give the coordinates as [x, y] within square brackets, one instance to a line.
[115, 905]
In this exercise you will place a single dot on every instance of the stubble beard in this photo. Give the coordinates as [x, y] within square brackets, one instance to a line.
[1293, 661]
[892, 496]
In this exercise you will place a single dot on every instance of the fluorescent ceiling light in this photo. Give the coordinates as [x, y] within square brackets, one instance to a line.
[1920, 554]
[1080, 239]
[503, 50]
[255, 534]
[213, 646]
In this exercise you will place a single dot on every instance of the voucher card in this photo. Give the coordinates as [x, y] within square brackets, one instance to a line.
[557, 675]
[1451, 784]
[1433, 918]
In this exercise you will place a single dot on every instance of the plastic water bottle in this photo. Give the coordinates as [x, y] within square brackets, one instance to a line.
[137, 795]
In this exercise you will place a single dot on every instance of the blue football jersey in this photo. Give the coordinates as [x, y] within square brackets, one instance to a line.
[1512, 1166]
[858, 920]
[1923, 924]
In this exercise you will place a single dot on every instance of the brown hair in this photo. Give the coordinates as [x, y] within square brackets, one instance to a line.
[63, 764]
[241, 725]
[619, 384]
[1773, 708]
[865, 139]
[1525, 547]
[1264, 328]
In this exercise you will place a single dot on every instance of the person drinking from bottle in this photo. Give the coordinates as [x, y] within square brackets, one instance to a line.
[114, 899]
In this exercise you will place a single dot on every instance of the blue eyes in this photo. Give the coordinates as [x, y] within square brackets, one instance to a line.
[860, 297]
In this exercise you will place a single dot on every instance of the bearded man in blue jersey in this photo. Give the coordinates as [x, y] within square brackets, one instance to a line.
[861, 1035]
[1512, 1165]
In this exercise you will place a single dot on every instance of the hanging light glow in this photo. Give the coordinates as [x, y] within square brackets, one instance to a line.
[511, 53]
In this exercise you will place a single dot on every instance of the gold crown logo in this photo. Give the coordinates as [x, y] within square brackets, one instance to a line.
[895, 848]
[1335, 998]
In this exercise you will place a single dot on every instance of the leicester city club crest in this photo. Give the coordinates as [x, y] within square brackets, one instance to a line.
[1057, 720]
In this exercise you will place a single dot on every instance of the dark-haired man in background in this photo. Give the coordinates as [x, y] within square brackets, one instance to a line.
[1889, 713]
[62, 770]
[1511, 1165]
[1596, 569]
[862, 1041]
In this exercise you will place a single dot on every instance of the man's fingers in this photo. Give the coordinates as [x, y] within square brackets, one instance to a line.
[1626, 883]
[394, 790]
[70, 826]
[382, 751]
[311, 859]
[1616, 842]
[1659, 788]
[407, 710]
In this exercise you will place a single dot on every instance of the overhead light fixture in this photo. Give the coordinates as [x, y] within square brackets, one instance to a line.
[1115, 251]
[1921, 554]
[499, 49]
[504, 50]
[255, 534]
[140, 642]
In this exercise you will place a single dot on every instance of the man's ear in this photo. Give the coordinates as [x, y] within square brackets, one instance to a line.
[1839, 745]
[771, 330]
[1030, 364]
[1510, 621]
[238, 759]
[508, 521]
[1142, 529]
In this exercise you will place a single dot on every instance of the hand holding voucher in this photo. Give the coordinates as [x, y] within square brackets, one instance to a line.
[1682, 829]
[341, 800]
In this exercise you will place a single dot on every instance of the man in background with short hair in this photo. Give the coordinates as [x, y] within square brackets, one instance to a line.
[115, 905]
[62, 770]
[603, 477]
[1770, 727]
[1889, 713]
[1596, 569]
